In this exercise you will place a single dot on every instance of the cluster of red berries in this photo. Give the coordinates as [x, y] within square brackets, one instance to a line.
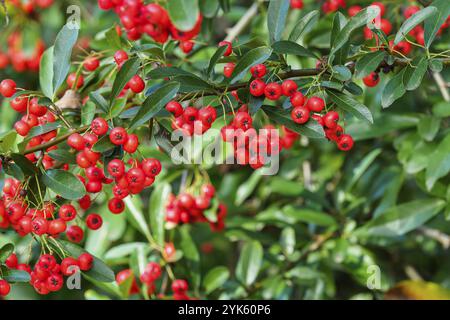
[29, 6]
[48, 275]
[191, 120]
[18, 58]
[152, 19]
[330, 6]
[333, 131]
[185, 208]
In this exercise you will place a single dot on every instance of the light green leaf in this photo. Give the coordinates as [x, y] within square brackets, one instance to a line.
[439, 165]
[250, 262]
[62, 52]
[158, 201]
[183, 13]
[215, 278]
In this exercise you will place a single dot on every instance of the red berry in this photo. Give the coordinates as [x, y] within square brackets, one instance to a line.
[85, 260]
[116, 168]
[105, 4]
[228, 69]
[297, 99]
[258, 71]
[67, 212]
[297, 4]
[315, 104]
[99, 126]
[19, 104]
[131, 144]
[300, 114]
[116, 206]
[22, 128]
[345, 142]
[186, 46]
[56, 227]
[175, 108]
[179, 286]
[151, 167]
[372, 79]
[123, 276]
[120, 57]
[331, 119]
[12, 261]
[7, 88]
[229, 47]
[91, 64]
[289, 87]
[76, 141]
[94, 221]
[54, 282]
[69, 266]
[353, 10]
[243, 121]
[257, 88]
[72, 78]
[136, 84]
[118, 136]
[273, 91]
[5, 288]
[39, 226]
[208, 190]
[75, 234]
[207, 115]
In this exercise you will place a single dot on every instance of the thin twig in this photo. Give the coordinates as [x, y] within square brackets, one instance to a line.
[242, 23]
[441, 85]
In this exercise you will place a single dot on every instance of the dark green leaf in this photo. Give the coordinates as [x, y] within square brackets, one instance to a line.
[126, 72]
[304, 25]
[215, 278]
[63, 155]
[289, 47]
[428, 127]
[217, 55]
[250, 59]
[434, 22]
[414, 75]
[62, 52]
[14, 276]
[413, 21]
[249, 263]
[189, 83]
[351, 105]
[99, 101]
[342, 73]
[209, 8]
[368, 63]
[309, 216]
[27, 167]
[164, 72]
[190, 256]
[5, 252]
[64, 183]
[393, 90]
[276, 18]
[439, 163]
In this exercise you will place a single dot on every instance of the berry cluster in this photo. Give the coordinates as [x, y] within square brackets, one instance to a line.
[333, 131]
[191, 120]
[16, 56]
[48, 275]
[330, 6]
[152, 19]
[186, 208]
[29, 6]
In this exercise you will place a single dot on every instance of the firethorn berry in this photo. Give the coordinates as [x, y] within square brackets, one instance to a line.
[297, 4]
[258, 71]
[257, 88]
[12, 261]
[179, 286]
[69, 266]
[273, 91]
[5, 288]
[385, 26]
[72, 78]
[300, 114]
[116, 168]
[372, 79]
[75, 234]
[85, 261]
[229, 46]
[297, 99]
[151, 167]
[208, 190]
[409, 11]
[76, 141]
[175, 108]
[94, 221]
[91, 64]
[345, 142]
[353, 10]
[228, 69]
[131, 144]
[243, 121]
[136, 84]
[7, 88]
[151, 273]
[22, 128]
[123, 276]
[19, 104]
[331, 119]
[36, 109]
[289, 87]
[116, 206]
[54, 282]
[46, 261]
[190, 114]
[56, 226]
[39, 226]
[119, 192]
[207, 115]
[315, 104]
[118, 136]
[120, 57]
[67, 212]
[99, 126]
[186, 46]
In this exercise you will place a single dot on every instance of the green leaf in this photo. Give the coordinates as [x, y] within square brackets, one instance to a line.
[155, 103]
[209, 8]
[276, 18]
[310, 129]
[250, 262]
[304, 25]
[157, 207]
[103, 144]
[124, 250]
[63, 155]
[183, 13]
[217, 55]
[99, 271]
[289, 47]
[25, 165]
[428, 127]
[401, 219]
[46, 72]
[99, 101]
[309, 216]
[362, 167]
[88, 113]
[8, 141]
[189, 83]
[368, 63]
[211, 212]
[113, 38]
[127, 71]
[136, 215]
[215, 278]
[434, 22]
[191, 256]
[250, 59]
[164, 72]
[436, 65]
[351, 105]
[357, 21]
[442, 109]
[287, 240]
[62, 52]
[46, 128]
[247, 187]
[64, 183]
[412, 22]
[439, 163]
[342, 73]
[414, 75]
[393, 90]
[5, 252]
[14, 276]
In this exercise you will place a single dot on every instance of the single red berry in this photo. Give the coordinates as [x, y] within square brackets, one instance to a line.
[228, 69]
[289, 87]
[94, 221]
[120, 57]
[118, 136]
[257, 87]
[116, 206]
[7, 88]
[116, 168]
[243, 121]
[300, 114]
[72, 78]
[353, 10]
[345, 142]
[175, 108]
[99, 126]
[151, 167]
[22, 128]
[54, 282]
[331, 119]
[131, 144]
[179, 286]
[297, 4]
[190, 114]
[208, 190]
[258, 71]
[39, 226]
[186, 46]
[273, 91]
[297, 99]
[315, 104]
[229, 46]
[136, 84]
[75, 234]
[12, 261]
[85, 260]
[207, 115]
[76, 141]
[372, 79]
[69, 266]
[19, 104]
[91, 64]
[94, 174]
[5, 288]
[56, 227]
[67, 212]
[106, 4]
